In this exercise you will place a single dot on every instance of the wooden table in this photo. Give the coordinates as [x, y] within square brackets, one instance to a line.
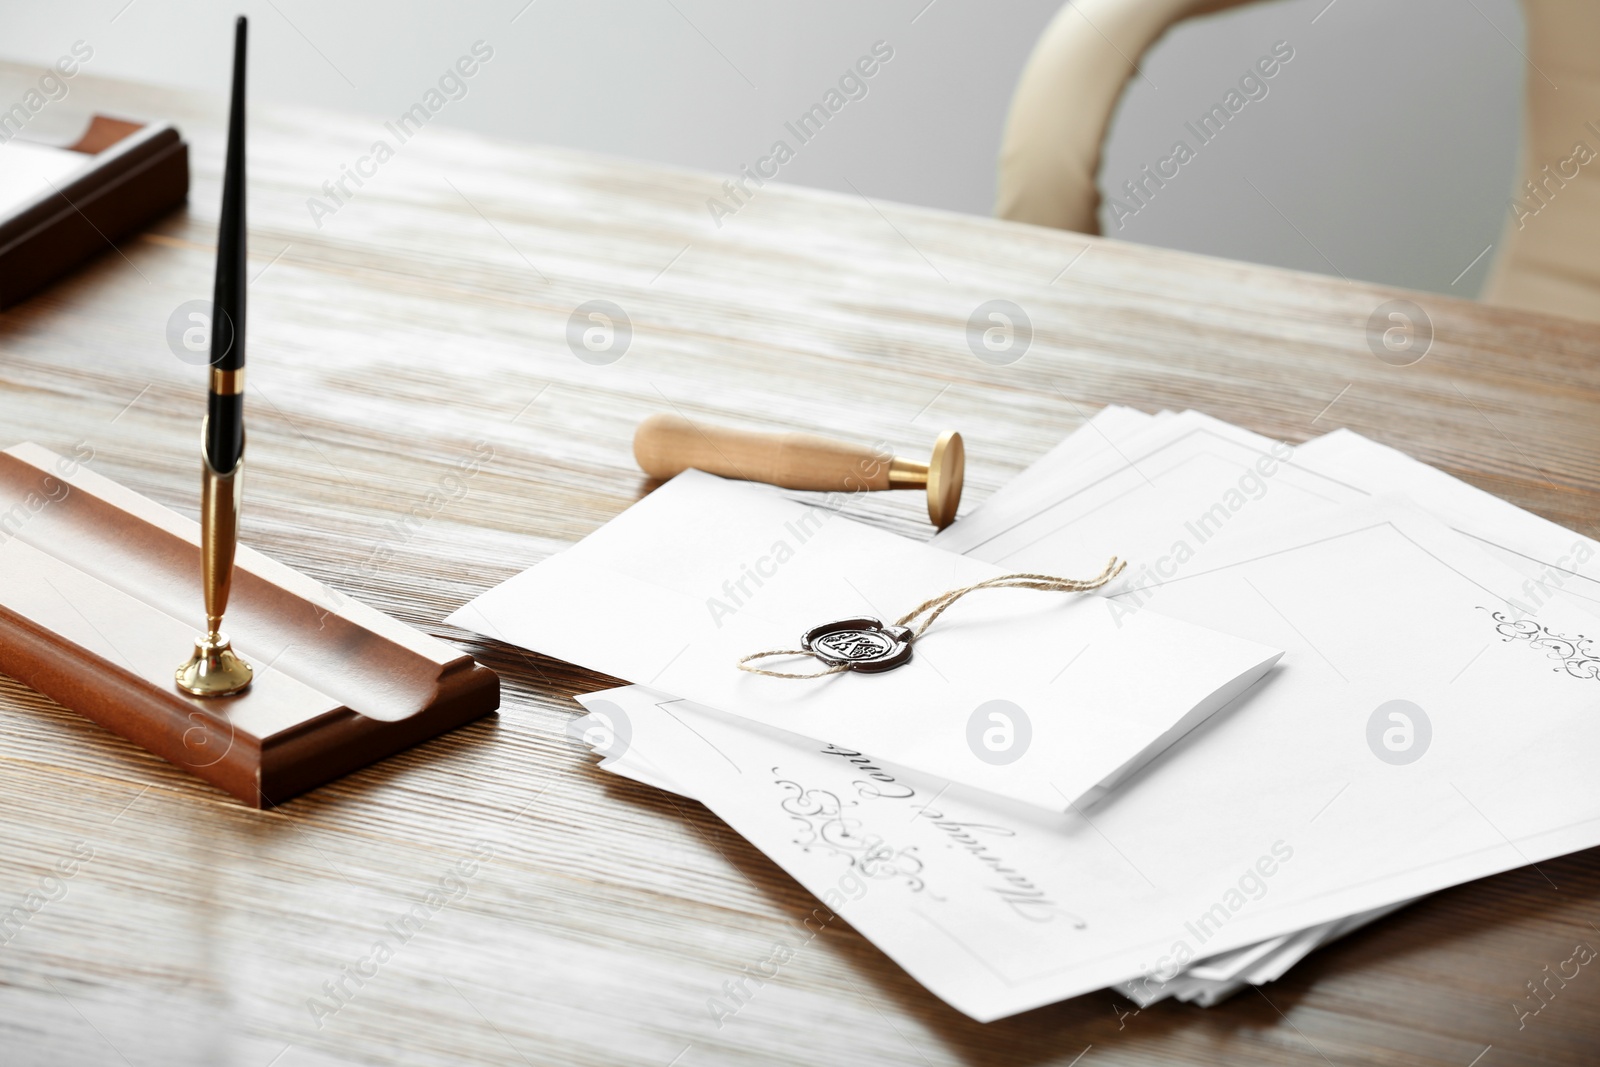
[431, 313]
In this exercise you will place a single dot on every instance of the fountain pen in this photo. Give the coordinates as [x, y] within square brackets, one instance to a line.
[215, 669]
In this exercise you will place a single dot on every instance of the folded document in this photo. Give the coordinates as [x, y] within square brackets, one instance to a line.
[1043, 697]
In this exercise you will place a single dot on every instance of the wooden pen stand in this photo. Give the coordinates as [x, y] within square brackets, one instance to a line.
[100, 600]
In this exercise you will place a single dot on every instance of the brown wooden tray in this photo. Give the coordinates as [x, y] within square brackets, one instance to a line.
[138, 172]
[100, 601]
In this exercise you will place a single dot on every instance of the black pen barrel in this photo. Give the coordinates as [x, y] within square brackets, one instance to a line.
[224, 431]
[225, 426]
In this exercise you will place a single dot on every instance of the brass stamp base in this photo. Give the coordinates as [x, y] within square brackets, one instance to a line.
[214, 670]
[946, 473]
[941, 476]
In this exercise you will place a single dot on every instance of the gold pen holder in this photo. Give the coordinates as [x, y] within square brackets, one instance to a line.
[347, 688]
[215, 670]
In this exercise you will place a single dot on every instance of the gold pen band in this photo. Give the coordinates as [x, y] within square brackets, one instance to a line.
[227, 382]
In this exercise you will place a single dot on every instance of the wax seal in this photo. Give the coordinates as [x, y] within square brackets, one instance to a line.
[862, 644]
[865, 644]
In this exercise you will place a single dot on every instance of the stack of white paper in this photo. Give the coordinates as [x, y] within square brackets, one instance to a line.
[1429, 722]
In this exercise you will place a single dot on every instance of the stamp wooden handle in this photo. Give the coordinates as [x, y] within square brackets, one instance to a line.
[666, 445]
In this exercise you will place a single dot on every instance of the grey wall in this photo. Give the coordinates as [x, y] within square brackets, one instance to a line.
[1384, 149]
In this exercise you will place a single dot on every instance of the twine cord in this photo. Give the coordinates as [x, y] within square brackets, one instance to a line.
[936, 606]
[835, 669]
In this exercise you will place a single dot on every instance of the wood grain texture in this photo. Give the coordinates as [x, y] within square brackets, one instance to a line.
[429, 314]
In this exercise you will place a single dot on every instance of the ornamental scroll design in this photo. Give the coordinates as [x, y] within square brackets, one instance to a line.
[825, 824]
[1573, 655]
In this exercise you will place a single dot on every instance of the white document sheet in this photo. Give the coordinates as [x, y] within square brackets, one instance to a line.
[28, 170]
[1206, 982]
[1170, 471]
[1278, 815]
[1090, 452]
[1169, 492]
[1090, 443]
[1552, 558]
[703, 571]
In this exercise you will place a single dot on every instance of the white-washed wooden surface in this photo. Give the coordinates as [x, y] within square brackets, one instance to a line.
[429, 314]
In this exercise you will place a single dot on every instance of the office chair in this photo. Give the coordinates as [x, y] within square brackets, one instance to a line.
[1548, 254]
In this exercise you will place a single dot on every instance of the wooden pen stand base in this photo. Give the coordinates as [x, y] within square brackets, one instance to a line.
[100, 601]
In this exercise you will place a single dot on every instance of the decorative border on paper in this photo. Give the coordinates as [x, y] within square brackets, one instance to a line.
[825, 825]
[1575, 655]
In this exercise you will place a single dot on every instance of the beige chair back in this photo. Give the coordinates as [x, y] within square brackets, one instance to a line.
[1548, 257]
